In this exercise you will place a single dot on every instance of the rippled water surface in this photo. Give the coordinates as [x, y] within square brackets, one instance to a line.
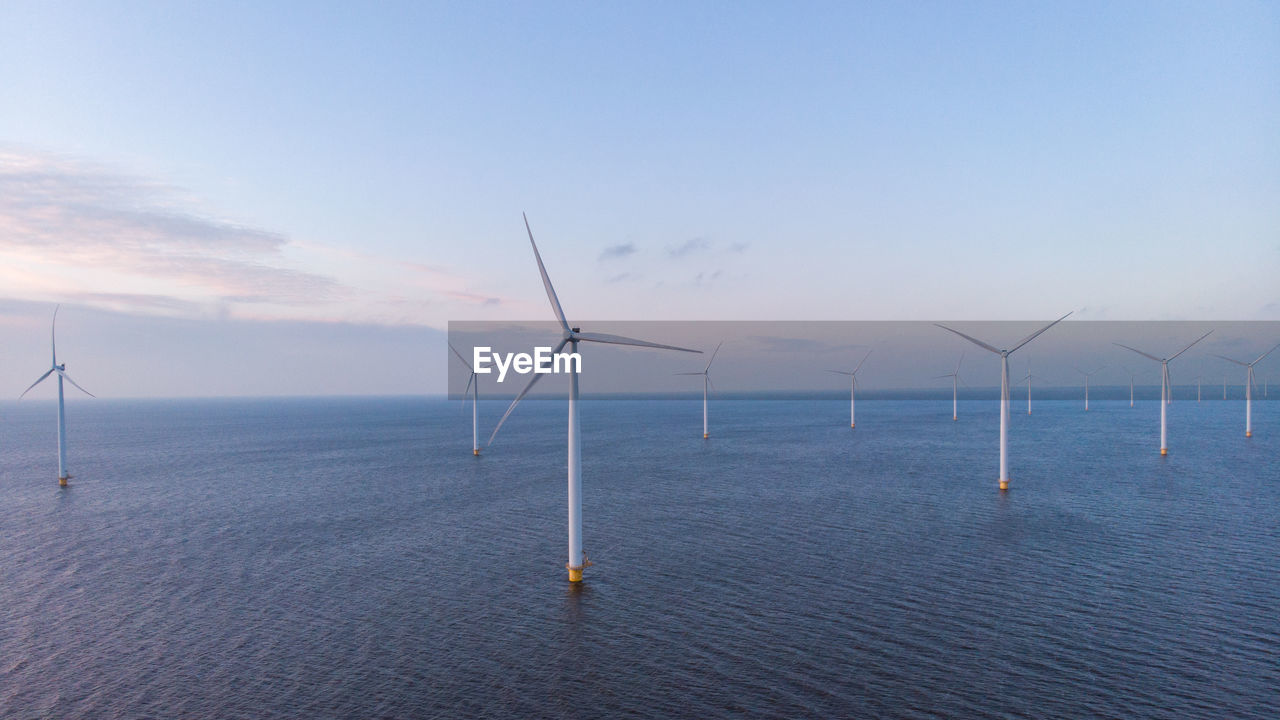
[350, 558]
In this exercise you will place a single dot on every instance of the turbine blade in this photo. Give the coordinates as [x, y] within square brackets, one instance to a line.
[53, 333]
[695, 373]
[840, 372]
[1189, 346]
[1145, 355]
[536, 377]
[864, 359]
[975, 341]
[1241, 364]
[711, 384]
[959, 361]
[939, 377]
[1273, 348]
[471, 378]
[67, 377]
[546, 280]
[619, 340]
[464, 360]
[713, 356]
[42, 377]
[1037, 333]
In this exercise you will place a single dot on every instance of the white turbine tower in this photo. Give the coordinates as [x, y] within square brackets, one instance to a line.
[1004, 389]
[61, 371]
[473, 386]
[572, 336]
[1087, 375]
[955, 387]
[1248, 388]
[706, 384]
[853, 388]
[1131, 375]
[1165, 387]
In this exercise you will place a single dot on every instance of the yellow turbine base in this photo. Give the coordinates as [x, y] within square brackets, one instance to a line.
[1164, 451]
[705, 436]
[475, 451]
[62, 482]
[575, 574]
[852, 425]
[1248, 433]
[1004, 485]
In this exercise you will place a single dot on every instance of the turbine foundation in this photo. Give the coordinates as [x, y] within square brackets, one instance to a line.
[476, 452]
[1248, 433]
[62, 481]
[705, 436]
[1004, 485]
[1164, 451]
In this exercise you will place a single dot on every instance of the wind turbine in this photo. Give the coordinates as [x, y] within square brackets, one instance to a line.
[853, 387]
[1131, 375]
[1028, 378]
[955, 387]
[1004, 390]
[1087, 375]
[1198, 377]
[706, 384]
[1165, 387]
[61, 371]
[572, 336]
[473, 386]
[1248, 388]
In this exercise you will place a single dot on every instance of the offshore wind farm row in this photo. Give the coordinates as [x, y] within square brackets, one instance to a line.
[571, 336]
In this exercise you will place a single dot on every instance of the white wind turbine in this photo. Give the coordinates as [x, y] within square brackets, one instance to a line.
[572, 336]
[61, 371]
[1004, 389]
[955, 387]
[1248, 388]
[473, 386]
[1165, 387]
[1087, 375]
[1131, 375]
[1028, 378]
[853, 388]
[706, 384]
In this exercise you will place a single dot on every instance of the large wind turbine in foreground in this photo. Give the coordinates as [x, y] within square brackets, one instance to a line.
[1248, 389]
[853, 388]
[571, 337]
[473, 386]
[1004, 389]
[955, 387]
[1087, 375]
[706, 385]
[61, 371]
[1166, 388]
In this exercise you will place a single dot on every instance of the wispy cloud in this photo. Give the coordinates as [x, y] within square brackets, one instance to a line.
[688, 247]
[76, 215]
[614, 252]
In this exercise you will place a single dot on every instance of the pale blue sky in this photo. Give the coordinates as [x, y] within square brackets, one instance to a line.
[368, 163]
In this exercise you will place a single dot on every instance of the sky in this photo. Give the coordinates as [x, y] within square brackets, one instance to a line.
[296, 198]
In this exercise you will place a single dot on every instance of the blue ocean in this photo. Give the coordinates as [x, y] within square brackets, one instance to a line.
[350, 558]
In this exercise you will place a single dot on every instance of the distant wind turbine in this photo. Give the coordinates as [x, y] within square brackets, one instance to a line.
[1131, 375]
[1248, 388]
[61, 371]
[706, 384]
[853, 388]
[1004, 389]
[955, 387]
[1028, 378]
[1165, 387]
[473, 386]
[1087, 375]
[572, 336]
